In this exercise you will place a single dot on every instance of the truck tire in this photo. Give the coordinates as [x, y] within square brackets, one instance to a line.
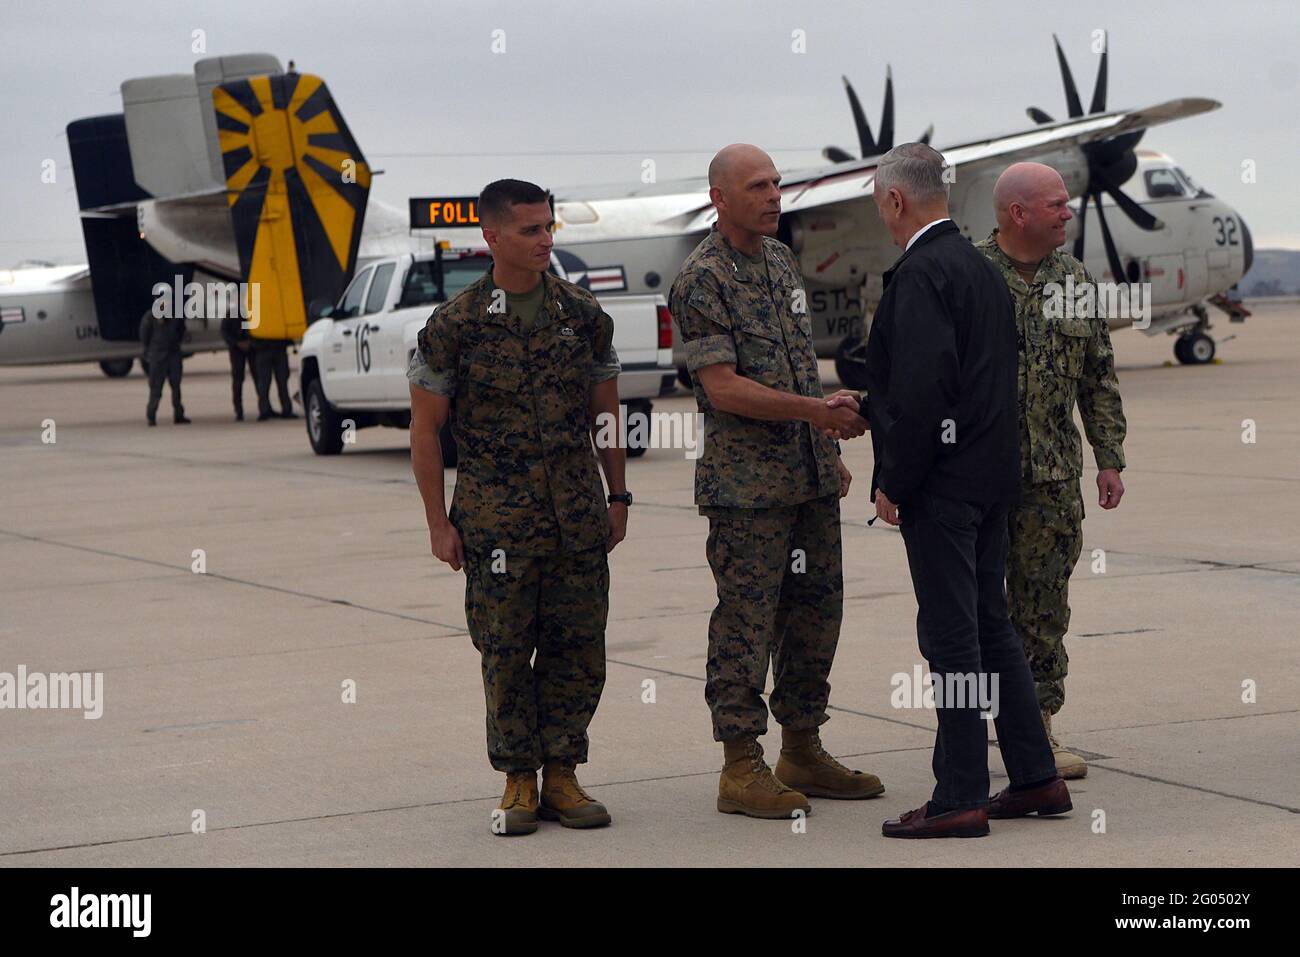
[633, 408]
[324, 424]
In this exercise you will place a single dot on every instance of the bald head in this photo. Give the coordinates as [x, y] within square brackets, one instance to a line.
[736, 162]
[744, 186]
[1023, 183]
[1032, 207]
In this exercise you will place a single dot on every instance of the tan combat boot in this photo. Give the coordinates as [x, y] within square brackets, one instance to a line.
[747, 785]
[564, 800]
[518, 811]
[1068, 764]
[805, 766]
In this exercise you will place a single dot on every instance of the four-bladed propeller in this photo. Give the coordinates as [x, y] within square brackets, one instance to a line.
[869, 145]
[1110, 162]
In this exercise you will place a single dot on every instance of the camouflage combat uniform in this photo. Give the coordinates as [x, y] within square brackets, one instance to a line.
[529, 506]
[1061, 360]
[770, 491]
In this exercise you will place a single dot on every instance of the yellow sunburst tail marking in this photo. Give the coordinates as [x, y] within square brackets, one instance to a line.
[298, 187]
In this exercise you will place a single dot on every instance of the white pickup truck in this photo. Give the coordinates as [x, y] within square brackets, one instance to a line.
[354, 355]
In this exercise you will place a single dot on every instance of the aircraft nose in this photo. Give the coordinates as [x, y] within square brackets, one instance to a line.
[1247, 245]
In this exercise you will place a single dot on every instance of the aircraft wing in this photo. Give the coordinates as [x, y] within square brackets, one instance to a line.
[843, 182]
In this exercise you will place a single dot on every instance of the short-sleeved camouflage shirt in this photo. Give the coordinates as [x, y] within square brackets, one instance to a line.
[527, 480]
[731, 311]
[1062, 359]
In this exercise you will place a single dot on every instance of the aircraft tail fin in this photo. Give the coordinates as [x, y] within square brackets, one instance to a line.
[297, 186]
[123, 267]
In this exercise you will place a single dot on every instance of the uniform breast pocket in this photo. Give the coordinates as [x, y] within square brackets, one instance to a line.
[569, 360]
[760, 353]
[1069, 345]
[494, 390]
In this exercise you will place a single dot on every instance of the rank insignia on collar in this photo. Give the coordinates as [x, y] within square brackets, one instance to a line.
[566, 331]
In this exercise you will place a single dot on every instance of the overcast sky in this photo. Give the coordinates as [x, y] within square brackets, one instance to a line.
[585, 91]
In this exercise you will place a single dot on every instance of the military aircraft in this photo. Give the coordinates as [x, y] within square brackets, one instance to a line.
[246, 174]
[240, 176]
[1171, 233]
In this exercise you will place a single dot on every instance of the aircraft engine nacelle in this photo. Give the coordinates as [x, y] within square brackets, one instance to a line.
[836, 246]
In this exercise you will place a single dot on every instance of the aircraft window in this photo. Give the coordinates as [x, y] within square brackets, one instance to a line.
[351, 304]
[1196, 188]
[1163, 182]
[379, 288]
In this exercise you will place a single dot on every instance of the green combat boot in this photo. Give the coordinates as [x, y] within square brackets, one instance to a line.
[805, 765]
[564, 800]
[518, 811]
[747, 785]
[1068, 764]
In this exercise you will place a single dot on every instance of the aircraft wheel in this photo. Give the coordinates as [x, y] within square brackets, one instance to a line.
[1195, 349]
[684, 377]
[1200, 348]
[324, 424]
[850, 363]
[116, 368]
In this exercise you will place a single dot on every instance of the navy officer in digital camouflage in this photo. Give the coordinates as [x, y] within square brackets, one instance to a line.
[1065, 359]
[770, 480]
[524, 363]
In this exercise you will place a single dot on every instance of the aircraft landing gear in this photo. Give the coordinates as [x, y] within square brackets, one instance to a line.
[1195, 347]
[116, 368]
[851, 363]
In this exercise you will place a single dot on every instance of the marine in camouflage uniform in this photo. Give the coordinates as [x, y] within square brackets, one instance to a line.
[1063, 360]
[769, 489]
[529, 506]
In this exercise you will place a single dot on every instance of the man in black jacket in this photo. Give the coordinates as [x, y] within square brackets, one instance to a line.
[941, 377]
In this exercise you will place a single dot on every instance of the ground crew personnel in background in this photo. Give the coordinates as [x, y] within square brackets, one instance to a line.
[238, 343]
[524, 363]
[770, 482]
[271, 356]
[160, 349]
[1061, 360]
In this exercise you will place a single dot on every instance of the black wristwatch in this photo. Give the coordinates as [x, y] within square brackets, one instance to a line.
[623, 497]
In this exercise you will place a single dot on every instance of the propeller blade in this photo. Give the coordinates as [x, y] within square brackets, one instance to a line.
[1112, 254]
[1099, 89]
[1083, 219]
[1140, 216]
[834, 154]
[866, 142]
[929, 132]
[886, 141]
[1038, 116]
[1071, 91]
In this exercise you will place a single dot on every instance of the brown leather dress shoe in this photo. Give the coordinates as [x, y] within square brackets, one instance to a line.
[969, 822]
[1050, 798]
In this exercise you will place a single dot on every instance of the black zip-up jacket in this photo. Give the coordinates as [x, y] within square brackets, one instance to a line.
[941, 375]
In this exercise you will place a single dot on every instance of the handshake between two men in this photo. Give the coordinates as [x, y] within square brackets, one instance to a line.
[845, 418]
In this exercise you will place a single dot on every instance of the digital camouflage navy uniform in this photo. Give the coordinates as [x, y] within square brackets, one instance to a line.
[770, 491]
[1062, 360]
[529, 506]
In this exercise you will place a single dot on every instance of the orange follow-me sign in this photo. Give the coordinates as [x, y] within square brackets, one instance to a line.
[444, 211]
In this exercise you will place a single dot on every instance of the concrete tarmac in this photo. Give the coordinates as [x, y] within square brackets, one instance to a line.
[223, 691]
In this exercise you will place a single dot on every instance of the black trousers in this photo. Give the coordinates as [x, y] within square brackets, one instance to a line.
[239, 361]
[271, 359]
[956, 552]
